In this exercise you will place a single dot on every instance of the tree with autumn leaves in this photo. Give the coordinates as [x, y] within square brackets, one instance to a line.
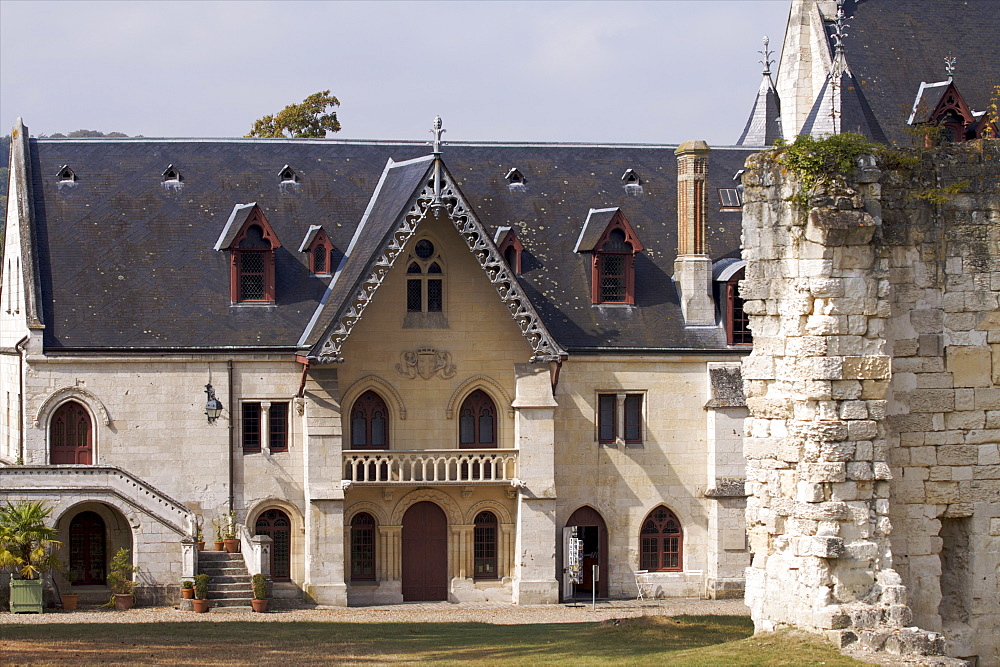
[308, 119]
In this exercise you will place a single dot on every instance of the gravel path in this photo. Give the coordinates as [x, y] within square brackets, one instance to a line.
[437, 612]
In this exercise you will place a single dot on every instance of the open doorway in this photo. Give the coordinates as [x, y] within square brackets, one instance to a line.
[586, 546]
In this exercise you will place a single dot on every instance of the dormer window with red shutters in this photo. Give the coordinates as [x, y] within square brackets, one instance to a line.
[251, 244]
[319, 249]
[613, 244]
[510, 248]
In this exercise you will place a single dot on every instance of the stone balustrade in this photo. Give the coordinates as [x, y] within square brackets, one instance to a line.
[431, 466]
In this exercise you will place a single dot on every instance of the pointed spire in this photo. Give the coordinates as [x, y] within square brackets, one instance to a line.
[764, 125]
[840, 27]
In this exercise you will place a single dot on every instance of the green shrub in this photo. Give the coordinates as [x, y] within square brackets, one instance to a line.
[201, 586]
[259, 587]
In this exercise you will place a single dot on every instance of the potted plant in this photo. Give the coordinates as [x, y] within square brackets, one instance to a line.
[120, 581]
[200, 602]
[220, 531]
[259, 601]
[229, 538]
[199, 534]
[26, 548]
[187, 589]
[70, 600]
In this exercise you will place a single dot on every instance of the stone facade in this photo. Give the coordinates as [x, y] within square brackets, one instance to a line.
[871, 444]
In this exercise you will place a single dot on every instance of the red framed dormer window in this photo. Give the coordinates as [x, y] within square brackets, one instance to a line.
[251, 243]
[510, 248]
[319, 250]
[613, 263]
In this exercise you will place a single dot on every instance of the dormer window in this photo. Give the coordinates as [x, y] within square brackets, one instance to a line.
[66, 175]
[251, 244]
[515, 179]
[320, 251]
[613, 244]
[729, 199]
[288, 175]
[510, 247]
[631, 178]
[171, 175]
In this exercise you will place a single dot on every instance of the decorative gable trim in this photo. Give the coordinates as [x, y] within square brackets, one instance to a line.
[454, 205]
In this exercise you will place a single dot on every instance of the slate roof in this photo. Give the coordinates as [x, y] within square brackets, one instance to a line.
[127, 262]
[764, 125]
[894, 45]
[841, 106]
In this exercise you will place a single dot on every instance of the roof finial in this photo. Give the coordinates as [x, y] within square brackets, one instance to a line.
[949, 64]
[840, 28]
[437, 131]
[767, 53]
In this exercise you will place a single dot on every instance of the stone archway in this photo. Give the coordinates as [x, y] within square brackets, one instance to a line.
[593, 532]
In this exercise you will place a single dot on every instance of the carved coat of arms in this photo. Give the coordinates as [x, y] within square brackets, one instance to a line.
[425, 362]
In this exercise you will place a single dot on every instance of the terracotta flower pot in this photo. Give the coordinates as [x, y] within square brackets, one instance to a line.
[187, 593]
[124, 602]
[200, 606]
[259, 606]
[70, 601]
[232, 546]
[220, 546]
[200, 545]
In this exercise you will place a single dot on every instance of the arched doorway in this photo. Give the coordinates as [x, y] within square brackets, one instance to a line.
[425, 553]
[591, 534]
[275, 524]
[87, 549]
[70, 435]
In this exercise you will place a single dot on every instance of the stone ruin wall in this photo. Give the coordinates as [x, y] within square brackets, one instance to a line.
[874, 397]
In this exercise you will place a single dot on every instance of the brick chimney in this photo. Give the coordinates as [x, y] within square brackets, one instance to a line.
[693, 268]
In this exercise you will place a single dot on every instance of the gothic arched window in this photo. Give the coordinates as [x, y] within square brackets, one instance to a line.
[477, 421]
[661, 542]
[369, 422]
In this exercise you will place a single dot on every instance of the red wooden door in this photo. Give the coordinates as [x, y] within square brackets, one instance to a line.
[425, 553]
[70, 435]
[276, 525]
[86, 549]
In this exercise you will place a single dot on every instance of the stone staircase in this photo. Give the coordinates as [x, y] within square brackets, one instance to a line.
[229, 584]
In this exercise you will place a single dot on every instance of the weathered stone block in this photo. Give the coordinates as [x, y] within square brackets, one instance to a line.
[866, 368]
[970, 366]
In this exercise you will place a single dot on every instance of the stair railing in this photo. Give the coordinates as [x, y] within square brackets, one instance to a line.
[256, 550]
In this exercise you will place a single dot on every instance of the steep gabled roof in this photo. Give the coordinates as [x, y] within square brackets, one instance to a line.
[402, 200]
[764, 125]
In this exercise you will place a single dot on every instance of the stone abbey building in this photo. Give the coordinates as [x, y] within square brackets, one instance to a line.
[517, 372]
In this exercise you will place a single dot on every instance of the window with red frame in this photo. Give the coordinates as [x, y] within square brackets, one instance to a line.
[613, 264]
[477, 421]
[369, 422]
[320, 251]
[661, 542]
[608, 430]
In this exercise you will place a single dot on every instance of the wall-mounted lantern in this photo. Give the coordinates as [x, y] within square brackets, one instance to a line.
[214, 406]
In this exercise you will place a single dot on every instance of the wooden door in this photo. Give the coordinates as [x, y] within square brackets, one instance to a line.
[275, 524]
[86, 549]
[425, 553]
[70, 436]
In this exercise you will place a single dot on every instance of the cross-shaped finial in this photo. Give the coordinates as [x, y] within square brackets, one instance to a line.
[767, 53]
[437, 131]
[949, 64]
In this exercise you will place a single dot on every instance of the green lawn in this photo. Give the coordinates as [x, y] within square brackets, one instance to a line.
[682, 640]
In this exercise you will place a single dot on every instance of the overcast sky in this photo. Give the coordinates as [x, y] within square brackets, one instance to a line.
[649, 72]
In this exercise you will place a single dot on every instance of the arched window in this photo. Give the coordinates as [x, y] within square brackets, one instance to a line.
[363, 547]
[71, 435]
[425, 279]
[737, 322]
[485, 546]
[369, 422]
[275, 524]
[477, 421]
[661, 542]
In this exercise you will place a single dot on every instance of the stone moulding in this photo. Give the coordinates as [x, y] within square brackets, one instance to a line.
[443, 500]
[468, 384]
[478, 239]
[375, 382]
[60, 396]
[425, 362]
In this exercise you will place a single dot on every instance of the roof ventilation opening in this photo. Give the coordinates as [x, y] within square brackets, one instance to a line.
[515, 179]
[632, 182]
[288, 175]
[66, 175]
[171, 175]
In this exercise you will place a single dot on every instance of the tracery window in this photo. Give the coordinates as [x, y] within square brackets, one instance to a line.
[661, 542]
[71, 435]
[363, 547]
[477, 421]
[425, 279]
[369, 422]
[485, 546]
